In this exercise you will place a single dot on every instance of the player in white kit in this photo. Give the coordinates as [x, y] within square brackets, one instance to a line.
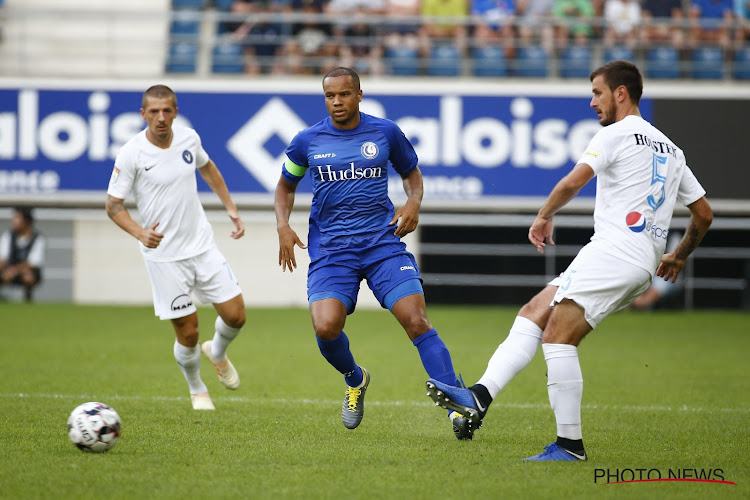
[640, 174]
[158, 165]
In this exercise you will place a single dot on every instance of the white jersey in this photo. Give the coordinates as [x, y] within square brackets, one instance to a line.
[165, 189]
[640, 175]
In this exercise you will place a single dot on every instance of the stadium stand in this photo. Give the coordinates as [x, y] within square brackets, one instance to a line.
[707, 63]
[576, 62]
[663, 62]
[227, 58]
[489, 61]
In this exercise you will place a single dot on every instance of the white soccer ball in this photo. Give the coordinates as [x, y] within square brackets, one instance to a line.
[94, 427]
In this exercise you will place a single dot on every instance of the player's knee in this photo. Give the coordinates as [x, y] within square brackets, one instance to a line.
[236, 319]
[327, 328]
[416, 325]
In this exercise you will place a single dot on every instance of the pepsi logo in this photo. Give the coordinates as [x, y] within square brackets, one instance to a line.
[636, 221]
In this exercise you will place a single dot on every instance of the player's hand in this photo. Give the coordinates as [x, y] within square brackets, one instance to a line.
[239, 230]
[540, 231]
[670, 267]
[409, 215]
[151, 237]
[287, 239]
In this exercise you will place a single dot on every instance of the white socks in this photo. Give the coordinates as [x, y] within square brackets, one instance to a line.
[565, 388]
[189, 360]
[512, 356]
[223, 336]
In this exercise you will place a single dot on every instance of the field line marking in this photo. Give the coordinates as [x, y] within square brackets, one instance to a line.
[306, 401]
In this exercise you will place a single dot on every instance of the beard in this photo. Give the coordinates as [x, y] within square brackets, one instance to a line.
[609, 118]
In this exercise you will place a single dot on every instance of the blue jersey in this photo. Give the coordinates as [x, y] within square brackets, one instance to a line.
[349, 170]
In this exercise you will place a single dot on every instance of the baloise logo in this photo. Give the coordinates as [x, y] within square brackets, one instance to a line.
[636, 221]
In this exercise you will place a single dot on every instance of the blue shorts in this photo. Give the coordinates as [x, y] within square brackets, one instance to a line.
[390, 270]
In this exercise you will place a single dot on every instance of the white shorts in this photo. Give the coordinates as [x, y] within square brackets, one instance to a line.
[600, 283]
[207, 276]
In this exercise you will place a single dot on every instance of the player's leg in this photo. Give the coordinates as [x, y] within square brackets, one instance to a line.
[228, 324]
[411, 313]
[215, 283]
[566, 328]
[328, 318]
[594, 286]
[512, 356]
[170, 284]
[518, 348]
[187, 353]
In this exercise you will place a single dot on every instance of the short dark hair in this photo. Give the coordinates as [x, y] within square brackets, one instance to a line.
[618, 73]
[26, 213]
[342, 71]
[159, 92]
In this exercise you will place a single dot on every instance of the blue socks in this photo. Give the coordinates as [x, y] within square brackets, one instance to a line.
[435, 357]
[337, 353]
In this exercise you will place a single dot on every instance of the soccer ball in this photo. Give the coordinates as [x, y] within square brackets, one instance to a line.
[94, 427]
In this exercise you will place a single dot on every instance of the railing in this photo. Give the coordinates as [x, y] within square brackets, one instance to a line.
[210, 42]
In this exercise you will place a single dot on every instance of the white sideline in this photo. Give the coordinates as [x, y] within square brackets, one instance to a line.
[532, 406]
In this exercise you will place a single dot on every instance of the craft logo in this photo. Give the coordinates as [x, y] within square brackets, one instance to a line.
[636, 221]
[622, 476]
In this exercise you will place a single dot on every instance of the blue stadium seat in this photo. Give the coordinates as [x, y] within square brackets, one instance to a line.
[185, 26]
[402, 61]
[227, 58]
[489, 61]
[224, 5]
[531, 62]
[663, 62]
[741, 64]
[575, 62]
[188, 4]
[707, 63]
[182, 58]
[445, 60]
[618, 54]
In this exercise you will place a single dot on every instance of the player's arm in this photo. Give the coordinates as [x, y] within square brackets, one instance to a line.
[565, 190]
[701, 217]
[211, 174]
[119, 214]
[409, 213]
[283, 203]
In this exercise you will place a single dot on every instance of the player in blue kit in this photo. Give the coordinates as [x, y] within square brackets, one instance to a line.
[355, 233]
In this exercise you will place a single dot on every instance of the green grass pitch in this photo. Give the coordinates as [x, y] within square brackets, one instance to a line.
[665, 391]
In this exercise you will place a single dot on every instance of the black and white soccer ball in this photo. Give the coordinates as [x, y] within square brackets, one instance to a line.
[94, 427]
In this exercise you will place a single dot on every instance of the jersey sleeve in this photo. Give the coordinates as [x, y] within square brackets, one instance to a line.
[201, 157]
[5, 246]
[296, 164]
[690, 189]
[597, 153]
[36, 254]
[403, 157]
[123, 174]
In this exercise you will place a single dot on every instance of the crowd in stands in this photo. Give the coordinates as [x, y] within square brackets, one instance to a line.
[479, 37]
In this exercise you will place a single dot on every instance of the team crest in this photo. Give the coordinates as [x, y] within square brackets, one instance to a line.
[369, 150]
[187, 156]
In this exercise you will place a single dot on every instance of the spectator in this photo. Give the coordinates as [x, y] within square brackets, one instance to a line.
[623, 21]
[22, 252]
[663, 22]
[360, 48]
[449, 31]
[313, 35]
[403, 25]
[534, 26]
[710, 21]
[261, 38]
[742, 23]
[574, 21]
[493, 24]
